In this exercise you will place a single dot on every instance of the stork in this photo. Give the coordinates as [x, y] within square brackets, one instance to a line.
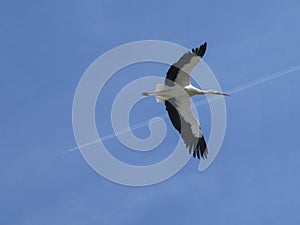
[176, 93]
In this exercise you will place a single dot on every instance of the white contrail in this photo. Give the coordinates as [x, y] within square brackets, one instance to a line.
[254, 83]
[264, 79]
[240, 88]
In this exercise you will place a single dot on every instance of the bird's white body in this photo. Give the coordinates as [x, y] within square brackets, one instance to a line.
[164, 92]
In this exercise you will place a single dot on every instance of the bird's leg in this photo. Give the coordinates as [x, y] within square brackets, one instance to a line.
[148, 93]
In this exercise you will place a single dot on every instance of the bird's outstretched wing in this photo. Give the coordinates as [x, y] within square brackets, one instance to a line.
[179, 108]
[184, 120]
[180, 71]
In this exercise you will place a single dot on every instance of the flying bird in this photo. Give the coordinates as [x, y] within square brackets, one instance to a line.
[176, 93]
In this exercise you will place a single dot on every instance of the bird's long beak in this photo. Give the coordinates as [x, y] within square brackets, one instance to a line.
[221, 93]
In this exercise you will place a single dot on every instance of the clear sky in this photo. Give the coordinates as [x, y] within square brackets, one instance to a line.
[45, 47]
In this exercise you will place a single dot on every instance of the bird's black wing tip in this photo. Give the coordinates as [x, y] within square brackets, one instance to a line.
[201, 50]
[196, 153]
[201, 149]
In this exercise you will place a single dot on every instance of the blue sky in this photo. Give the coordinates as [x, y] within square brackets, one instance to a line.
[47, 45]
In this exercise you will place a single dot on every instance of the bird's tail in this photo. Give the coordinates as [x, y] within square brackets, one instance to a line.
[159, 90]
[158, 93]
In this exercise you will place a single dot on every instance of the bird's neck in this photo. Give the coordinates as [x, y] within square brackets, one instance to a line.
[195, 91]
[191, 90]
[211, 91]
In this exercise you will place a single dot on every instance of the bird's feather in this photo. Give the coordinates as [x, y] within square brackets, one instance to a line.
[184, 120]
[179, 107]
[180, 71]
